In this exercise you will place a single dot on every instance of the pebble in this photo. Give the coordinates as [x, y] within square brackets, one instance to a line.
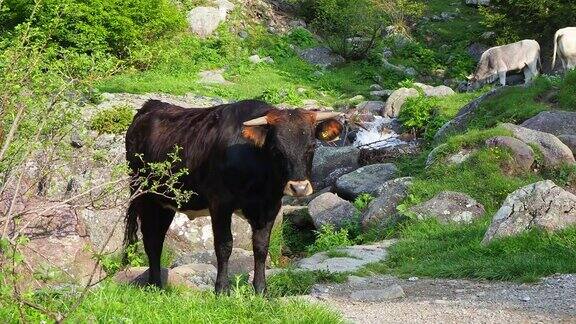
[525, 299]
[413, 279]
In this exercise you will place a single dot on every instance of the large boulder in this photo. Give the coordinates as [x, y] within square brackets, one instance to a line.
[542, 205]
[321, 56]
[185, 235]
[388, 153]
[553, 150]
[382, 210]
[203, 21]
[396, 101]
[438, 91]
[331, 162]
[553, 122]
[365, 180]
[522, 152]
[350, 258]
[372, 107]
[105, 228]
[570, 141]
[449, 207]
[329, 209]
[58, 248]
[463, 117]
[138, 276]
[241, 261]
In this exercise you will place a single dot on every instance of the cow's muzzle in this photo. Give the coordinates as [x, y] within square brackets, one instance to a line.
[298, 188]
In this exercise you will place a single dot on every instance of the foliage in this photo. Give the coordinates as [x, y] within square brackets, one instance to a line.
[361, 202]
[111, 302]
[112, 263]
[431, 249]
[351, 27]
[110, 27]
[301, 37]
[520, 19]
[275, 246]
[296, 283]
[115, 120]
[567, 94]
[512, 105]
[329, 238]
[417, 112]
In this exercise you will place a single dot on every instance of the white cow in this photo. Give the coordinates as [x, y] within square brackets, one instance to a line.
[497, 61]
[565, 48]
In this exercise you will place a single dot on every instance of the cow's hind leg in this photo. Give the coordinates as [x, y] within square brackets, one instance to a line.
[154, 223]
[502, 77]
[221, 228]
[261, 221]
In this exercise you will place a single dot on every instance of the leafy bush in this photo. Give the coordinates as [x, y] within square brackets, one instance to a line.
[328, 238]
[417, 112]
[539, 19]
[361, 202]
[567, 94]
[115, 120]
[340, 21]
[301, 37]
[100, 26]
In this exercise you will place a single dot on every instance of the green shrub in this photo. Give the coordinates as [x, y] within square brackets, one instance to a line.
[519, 19]
[99, 26]
[567, 94]
[301, 37]
[417, 112]
[361, 202]
[115, 120]
[328, 238]
[340, 20]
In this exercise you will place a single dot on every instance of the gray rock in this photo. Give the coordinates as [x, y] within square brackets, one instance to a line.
[255, 59]
[381, 93]
[329, 209]
[198, 274]
[478, 2]
[382, 210]
[186, 236]
[105, 228]
[203, 21]
[475, 50]
[396, 101]
[329, 159]
[138, 276]
[365, 180]
[375, 87]
[212, 77]
[321, 56]
[570, 141]
[542, 205]
[241, 261]
[554, 151]
[439, 91]
[460, 122]
[449, 207]
[553, 122]
[378, 295]
[373, 107]
[453, 158]
[522, 153]
[356, 257]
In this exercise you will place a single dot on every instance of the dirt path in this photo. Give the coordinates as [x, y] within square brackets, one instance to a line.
[375, 300]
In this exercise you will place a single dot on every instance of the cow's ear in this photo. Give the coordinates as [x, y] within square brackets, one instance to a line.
[255, 134]
[329, 130]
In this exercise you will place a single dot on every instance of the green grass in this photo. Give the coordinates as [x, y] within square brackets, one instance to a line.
[113, 303]
[293, 283]
[430, 249]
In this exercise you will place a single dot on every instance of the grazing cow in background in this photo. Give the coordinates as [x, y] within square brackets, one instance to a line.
[497, 61]
[565, 48]
[241, 156]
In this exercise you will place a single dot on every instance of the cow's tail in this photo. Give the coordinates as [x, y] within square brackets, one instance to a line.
[131, 231]
[555, 49]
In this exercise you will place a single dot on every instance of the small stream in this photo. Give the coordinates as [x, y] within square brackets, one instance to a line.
[377, 135]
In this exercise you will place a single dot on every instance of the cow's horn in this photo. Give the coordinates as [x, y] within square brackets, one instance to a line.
[323, 115]
[260, 121]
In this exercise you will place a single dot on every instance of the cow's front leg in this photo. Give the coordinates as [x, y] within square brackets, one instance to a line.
[260, 243]
[221, 222]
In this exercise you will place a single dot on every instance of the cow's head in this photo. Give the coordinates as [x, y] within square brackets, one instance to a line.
[291, 134]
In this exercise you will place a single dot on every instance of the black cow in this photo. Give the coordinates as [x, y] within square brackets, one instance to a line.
[241, 156]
